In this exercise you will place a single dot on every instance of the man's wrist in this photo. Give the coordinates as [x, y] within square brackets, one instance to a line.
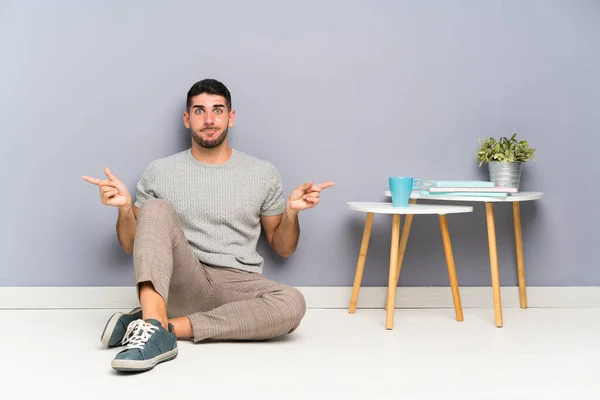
[290, 212]
[126, 209]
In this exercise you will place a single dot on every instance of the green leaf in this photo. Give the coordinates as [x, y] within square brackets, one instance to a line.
[504, 149]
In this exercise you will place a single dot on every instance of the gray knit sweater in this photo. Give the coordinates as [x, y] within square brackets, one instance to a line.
[219, 205]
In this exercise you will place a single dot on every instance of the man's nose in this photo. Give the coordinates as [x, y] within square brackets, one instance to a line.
[209, 119]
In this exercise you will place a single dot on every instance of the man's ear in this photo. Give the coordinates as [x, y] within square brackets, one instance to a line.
[231, 118]
[186, 119]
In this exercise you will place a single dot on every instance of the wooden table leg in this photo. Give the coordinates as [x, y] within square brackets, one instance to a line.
[451, 268]
[361, 262]
[404, 240]
[391, 296]
[489, 212]
[519, 249]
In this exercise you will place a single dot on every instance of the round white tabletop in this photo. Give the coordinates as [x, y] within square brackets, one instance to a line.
[388, 208]
[521, 196]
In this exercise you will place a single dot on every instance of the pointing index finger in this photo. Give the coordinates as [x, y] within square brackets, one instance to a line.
[95, 181]
[323, 185]
[99, 182]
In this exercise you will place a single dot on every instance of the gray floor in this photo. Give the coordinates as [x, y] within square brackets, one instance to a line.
[538, 354]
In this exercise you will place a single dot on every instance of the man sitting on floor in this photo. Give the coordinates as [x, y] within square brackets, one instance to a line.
[196, 222]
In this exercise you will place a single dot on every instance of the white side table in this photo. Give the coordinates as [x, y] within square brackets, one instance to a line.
[398, 247]
[516, 200]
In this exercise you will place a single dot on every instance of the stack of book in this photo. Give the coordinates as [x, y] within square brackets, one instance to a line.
[464, 188]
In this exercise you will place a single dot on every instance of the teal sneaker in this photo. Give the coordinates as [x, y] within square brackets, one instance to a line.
[148, 345]
[115, 330]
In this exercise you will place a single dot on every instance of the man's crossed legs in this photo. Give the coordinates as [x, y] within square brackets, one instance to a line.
[182, 298]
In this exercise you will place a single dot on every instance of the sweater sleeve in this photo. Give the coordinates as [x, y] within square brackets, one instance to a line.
[274, 203]
[146, 187]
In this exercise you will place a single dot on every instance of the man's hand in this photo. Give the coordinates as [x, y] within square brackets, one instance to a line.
[112, 191]
[306, 195]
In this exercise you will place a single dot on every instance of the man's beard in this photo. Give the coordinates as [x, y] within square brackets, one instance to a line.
[210, 144]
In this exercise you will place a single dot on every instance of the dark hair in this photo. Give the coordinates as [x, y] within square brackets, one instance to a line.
[210, 86]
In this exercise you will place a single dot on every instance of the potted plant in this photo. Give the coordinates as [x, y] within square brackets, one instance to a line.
[505, 158]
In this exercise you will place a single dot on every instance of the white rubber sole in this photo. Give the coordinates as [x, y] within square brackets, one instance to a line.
[112, 322]
[143, 365]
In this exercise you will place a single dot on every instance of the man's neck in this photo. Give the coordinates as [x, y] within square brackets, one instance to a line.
[218, 155]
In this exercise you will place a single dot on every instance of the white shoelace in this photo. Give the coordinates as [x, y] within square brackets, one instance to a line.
[137, 334]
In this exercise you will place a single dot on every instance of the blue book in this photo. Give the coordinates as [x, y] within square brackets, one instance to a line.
[426, 193]
[459, 184]
[472, 190]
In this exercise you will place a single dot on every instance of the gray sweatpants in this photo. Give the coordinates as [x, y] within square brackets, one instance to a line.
[221, 303]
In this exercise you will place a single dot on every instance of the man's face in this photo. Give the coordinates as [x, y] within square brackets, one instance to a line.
[209, 120]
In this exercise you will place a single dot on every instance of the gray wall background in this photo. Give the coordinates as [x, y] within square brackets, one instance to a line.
[350, 91]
